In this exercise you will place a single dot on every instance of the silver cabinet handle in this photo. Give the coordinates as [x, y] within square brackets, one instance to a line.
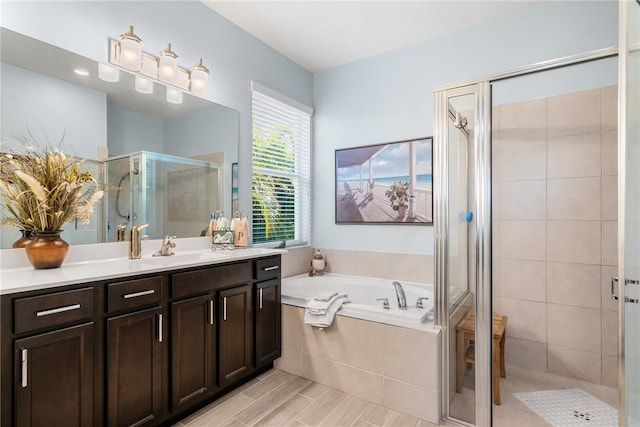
[159, 327]
[224, 308]
[139, 294]
[24, 367]
[58, 310]
[211, 307]
[275, 267]
[260, 293]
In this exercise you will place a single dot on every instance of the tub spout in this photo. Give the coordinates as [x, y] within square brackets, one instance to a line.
[402, 299]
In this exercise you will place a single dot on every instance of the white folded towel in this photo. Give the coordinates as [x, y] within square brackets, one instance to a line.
[323, 318]
[321, 304]
[325, 296]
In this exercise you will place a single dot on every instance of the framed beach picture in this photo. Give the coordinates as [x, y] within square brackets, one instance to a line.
[390, 183]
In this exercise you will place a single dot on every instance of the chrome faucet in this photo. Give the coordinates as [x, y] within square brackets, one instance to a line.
[402, 299]
[166, 246]
[135, 241]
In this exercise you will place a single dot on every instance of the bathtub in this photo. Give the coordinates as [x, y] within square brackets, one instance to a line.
[389, 357]
[363, 293]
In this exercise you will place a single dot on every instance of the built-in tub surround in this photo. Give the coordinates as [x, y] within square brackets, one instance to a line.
[397, 367]
[554, 232]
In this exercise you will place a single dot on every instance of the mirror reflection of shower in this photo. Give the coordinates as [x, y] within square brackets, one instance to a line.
[460, 122]
[128, 215]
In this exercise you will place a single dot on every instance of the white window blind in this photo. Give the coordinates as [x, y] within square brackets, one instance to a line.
[281, 178]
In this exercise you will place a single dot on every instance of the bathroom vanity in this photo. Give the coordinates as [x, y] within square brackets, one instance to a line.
[136, 342]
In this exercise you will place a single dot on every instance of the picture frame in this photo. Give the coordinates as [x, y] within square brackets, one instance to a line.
[387, 183]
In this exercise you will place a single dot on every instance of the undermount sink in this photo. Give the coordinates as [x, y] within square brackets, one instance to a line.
[180, 257]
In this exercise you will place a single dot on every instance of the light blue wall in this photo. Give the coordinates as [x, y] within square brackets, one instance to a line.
[234, 57]
[389, 97]
[51, 109]
[126, 129]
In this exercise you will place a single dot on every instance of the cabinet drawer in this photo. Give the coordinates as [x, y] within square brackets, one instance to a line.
[53, 309]
[198, 281]
[134, 293]
[267, 268]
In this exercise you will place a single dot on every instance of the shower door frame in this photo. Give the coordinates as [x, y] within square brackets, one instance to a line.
[483, 181]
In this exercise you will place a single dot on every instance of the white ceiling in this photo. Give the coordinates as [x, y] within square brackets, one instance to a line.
[323, 34]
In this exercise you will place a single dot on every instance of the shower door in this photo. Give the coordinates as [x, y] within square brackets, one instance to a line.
[629, 208]
[462, 221]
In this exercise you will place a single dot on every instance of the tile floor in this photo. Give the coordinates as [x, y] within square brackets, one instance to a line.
[511, 412]
[277, 398]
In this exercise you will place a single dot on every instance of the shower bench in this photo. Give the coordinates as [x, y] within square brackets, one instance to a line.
[466, 336]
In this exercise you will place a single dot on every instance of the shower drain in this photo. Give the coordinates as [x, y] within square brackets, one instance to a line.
[570, 408]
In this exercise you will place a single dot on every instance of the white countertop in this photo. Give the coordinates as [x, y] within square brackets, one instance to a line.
[26, 278]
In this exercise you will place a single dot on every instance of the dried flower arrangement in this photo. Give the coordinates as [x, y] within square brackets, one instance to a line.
[42, 188]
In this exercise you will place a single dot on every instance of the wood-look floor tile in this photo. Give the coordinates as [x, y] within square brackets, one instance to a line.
[223, 412]
[254, 412]
[295, 423]
[285, 412]
[268, 384]
[360, 423]
[345, 414]
[314, 390]
[401, 420]
[323, 406]
[375, 414]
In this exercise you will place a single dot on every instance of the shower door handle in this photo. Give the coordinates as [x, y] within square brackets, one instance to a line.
[614, 280]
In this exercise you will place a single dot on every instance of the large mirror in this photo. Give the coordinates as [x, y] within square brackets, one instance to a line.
[99, 120]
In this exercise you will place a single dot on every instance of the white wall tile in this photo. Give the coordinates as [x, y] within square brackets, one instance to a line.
[610, 153]
[523, 160]
[582, 365]
[610, 197]
[523, 121]
[609, 242]
[526, 354]
[610, 108]
[527, 320]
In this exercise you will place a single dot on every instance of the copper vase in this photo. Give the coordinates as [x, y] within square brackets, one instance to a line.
[24, 240]
[47, 250]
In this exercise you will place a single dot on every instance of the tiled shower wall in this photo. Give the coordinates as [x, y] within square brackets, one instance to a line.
[554, 225]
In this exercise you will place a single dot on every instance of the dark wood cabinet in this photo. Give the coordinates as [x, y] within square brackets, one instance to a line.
[236, 333]
[193, 356]
[54, 378]
[144, 350]
[268, 322]
[134, 367]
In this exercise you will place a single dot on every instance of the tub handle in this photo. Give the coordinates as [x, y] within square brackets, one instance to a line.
[385, 302]
[419, 301]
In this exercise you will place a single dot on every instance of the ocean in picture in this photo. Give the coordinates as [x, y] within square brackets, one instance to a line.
[422, 180]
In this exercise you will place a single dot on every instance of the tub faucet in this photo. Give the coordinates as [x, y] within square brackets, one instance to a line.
[166, 247]
[135, 241]
[402, 299]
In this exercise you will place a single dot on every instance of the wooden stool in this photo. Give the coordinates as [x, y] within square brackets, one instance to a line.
[466, 333]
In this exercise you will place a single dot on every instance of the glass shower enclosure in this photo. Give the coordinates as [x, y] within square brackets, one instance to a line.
[174, 195]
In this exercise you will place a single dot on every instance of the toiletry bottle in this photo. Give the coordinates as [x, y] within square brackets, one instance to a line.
[223, 223]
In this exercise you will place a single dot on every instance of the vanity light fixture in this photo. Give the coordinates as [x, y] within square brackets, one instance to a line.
[130, 50]
[143, 85]
[108, 73]
[174, 96]
[199, 77]
[163, 68]
[167, 65]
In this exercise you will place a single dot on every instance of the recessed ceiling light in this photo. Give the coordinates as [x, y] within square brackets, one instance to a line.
[81, 72]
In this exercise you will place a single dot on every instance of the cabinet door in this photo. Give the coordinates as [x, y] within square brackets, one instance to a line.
[268, 320]
[134, 367]
[54, 378]
[193, 357]
[236, 333]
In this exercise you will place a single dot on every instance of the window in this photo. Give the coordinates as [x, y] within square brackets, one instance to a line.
[281, 179]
